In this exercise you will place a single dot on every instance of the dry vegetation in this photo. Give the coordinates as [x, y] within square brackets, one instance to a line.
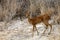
[12, 10]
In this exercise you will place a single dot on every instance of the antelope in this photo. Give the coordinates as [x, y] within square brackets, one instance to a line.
[42, 18]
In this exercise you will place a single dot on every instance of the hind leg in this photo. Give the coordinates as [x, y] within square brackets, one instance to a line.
[47, 24]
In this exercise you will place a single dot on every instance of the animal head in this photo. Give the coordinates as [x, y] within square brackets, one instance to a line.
[27, 14]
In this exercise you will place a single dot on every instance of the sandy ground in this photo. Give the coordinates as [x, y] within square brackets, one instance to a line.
[21, 30]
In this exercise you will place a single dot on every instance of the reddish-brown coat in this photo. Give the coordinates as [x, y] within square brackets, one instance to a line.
[42, 18]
